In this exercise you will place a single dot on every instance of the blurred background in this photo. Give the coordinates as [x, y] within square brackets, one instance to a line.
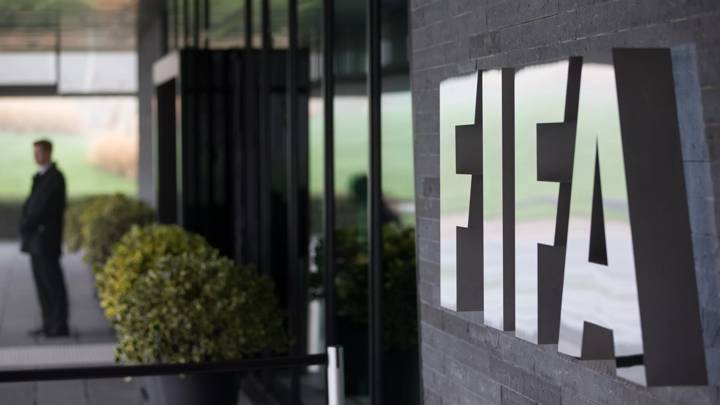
[95, 145]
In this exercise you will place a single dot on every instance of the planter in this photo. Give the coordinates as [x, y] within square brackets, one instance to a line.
[402, 378]
[401, 368]
[354, 340]
[198, 389]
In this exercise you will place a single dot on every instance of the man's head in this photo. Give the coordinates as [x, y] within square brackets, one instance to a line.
[43, 152]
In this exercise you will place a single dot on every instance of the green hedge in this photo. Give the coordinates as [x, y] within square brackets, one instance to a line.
[190, 308]
[94, 224]
[135, 253]
[73, 229]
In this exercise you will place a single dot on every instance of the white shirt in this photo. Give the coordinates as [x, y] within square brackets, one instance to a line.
[42, 169]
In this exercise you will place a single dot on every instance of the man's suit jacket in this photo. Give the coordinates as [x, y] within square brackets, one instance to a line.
[41, 224]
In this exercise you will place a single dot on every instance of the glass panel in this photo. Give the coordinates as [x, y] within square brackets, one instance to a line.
[182, 22]
[279, 25]
[84, 130]
[27, 68]
[400, 329]
[172, 24]
[310, 52]
[397, 158]
[227, 24]
[87, 72]
[310, 14]
[351, 186]
[257, 23]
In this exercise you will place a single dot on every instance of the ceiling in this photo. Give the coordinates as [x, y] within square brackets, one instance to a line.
[71, 25]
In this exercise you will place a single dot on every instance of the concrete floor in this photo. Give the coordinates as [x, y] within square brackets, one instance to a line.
[91, 341]
[19, 310]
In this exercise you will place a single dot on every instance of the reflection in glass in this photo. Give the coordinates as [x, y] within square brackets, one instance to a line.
[492, 197]
[351, 168]
[400, 328]
[88, 72]
[539, 98]
[397, 155]
[457, 107]
[28, 68]
[309, 24]
[351, 173]
[257, 23]
[603, 295]
[227, 24]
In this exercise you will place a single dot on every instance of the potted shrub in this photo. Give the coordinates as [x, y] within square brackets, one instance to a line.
[191, 308]
[135, 253]
[171, 298]
[104, 220]
[72, 229]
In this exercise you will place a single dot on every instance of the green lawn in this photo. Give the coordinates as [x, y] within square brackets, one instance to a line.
[70, 152]
[351, 145]
[351, 154]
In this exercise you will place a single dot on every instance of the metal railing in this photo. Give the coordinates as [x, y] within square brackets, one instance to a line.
[332, 359]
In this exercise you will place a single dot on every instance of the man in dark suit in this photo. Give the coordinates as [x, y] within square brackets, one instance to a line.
[41, 229]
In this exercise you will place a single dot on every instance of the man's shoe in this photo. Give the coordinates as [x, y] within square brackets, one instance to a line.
[38, 332]
[57, 333]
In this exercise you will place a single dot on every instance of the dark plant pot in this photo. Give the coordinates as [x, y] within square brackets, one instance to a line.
[401, 368]
[354, 339]
[198, 389]
[402, 378]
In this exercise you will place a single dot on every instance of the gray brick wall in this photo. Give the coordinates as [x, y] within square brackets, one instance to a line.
[465, 362]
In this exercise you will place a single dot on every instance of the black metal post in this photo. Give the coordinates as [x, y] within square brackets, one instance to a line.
[186, 23]
[295, 272]
[176, 24]
[264, 139]
[206, 23]
[264, 160]
[250, 197]
[196, 23]
[375, 279]
[58, 48]
[329, 155]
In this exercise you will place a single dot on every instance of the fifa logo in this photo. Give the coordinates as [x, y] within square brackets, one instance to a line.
[564, 211]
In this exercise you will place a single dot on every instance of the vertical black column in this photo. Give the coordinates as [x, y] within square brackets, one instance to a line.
[151, 45]
[374, 204]
[176, 24]
[295, 273]
[249, 232]
[264, 139]
[196, 23]
[206, 23]
[329, 154]
[186, 23]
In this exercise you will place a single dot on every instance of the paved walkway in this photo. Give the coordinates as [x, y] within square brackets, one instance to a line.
[20, 312]
[92, 340]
